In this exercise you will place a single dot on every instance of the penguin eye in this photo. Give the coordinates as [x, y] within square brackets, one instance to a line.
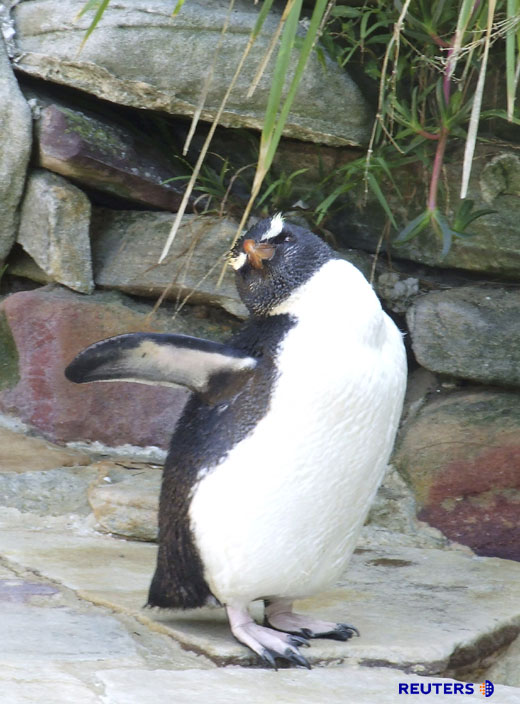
[282, 237]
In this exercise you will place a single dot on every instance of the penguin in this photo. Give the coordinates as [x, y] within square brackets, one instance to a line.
[282, 443]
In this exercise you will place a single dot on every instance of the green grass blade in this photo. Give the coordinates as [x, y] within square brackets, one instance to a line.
[413, 228]
[512, 10]
[280, 72]
[261, 18]
[177, 8]
[447, 234]
[268, 192]
[99, 14]
[502, 114]
[87, 7]
[308, 43]
[376, 189]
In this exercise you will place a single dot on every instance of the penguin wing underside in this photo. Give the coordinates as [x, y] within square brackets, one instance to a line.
[211, 369]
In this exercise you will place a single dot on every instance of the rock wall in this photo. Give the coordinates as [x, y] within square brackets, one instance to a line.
[84, 220]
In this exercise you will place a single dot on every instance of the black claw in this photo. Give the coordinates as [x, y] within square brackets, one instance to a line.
[342, 632]
[296, 659]
[352, 628]
[267, 658]
[299, 641]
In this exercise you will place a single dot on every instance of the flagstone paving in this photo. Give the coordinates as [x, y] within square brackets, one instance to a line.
[73, 627]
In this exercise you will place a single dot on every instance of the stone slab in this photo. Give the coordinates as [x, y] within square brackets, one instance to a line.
[493, 246]
[125, 499]
[15, 149]
[436, 621]
[22, 453]
[40, 633]
[328, 107]
[233, 685]
[54, 229]
[52, 492]
[42, 683]
[420, 610]
[97, 152]
[507, 669]
[53, 644]
[126, 246]
[469, 332]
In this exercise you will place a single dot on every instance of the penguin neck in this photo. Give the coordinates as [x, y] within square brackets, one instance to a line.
[337, 293]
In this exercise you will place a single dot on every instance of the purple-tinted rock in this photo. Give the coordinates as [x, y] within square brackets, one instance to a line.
[461, 455]
[101, 154]
[49, 327]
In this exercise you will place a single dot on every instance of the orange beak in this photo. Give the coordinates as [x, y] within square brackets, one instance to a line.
[256, 253]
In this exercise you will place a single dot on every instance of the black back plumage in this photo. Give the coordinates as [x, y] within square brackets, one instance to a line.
[203, 437]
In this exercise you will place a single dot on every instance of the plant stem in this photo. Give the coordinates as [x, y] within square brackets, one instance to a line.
[437, 167]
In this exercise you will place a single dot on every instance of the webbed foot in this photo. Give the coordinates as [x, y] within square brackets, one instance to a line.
[280, 616]
[270, 645]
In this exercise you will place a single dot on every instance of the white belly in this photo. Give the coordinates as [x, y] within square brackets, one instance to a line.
[281, 515]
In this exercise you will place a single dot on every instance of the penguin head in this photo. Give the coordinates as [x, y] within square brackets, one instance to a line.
[272, 259]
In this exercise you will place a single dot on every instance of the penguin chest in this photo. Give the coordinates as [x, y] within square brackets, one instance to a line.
[279, 516]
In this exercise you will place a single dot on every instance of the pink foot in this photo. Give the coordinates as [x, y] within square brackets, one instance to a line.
[279, 615]
[269, 644]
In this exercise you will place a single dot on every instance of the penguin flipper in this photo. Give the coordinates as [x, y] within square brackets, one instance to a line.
[214, 370]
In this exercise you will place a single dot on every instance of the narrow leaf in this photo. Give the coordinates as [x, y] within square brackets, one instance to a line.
[87, 7]
[413, 228]
[477, 102]
[446, 232]
[177, 8]
[99, 14]
[376, 189]
[511, 58]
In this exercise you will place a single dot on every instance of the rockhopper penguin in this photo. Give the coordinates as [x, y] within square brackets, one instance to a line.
[283, 443]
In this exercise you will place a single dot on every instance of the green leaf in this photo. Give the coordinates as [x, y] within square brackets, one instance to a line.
[261, 18]
[274, 123]
[446, 232]
[511, 78]
[177, 8]
[351, 12]
[465, 215]
[413, 228]
[101, 7]
[376, 189]
[88, 7]
[502, 114]
[323, 207]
